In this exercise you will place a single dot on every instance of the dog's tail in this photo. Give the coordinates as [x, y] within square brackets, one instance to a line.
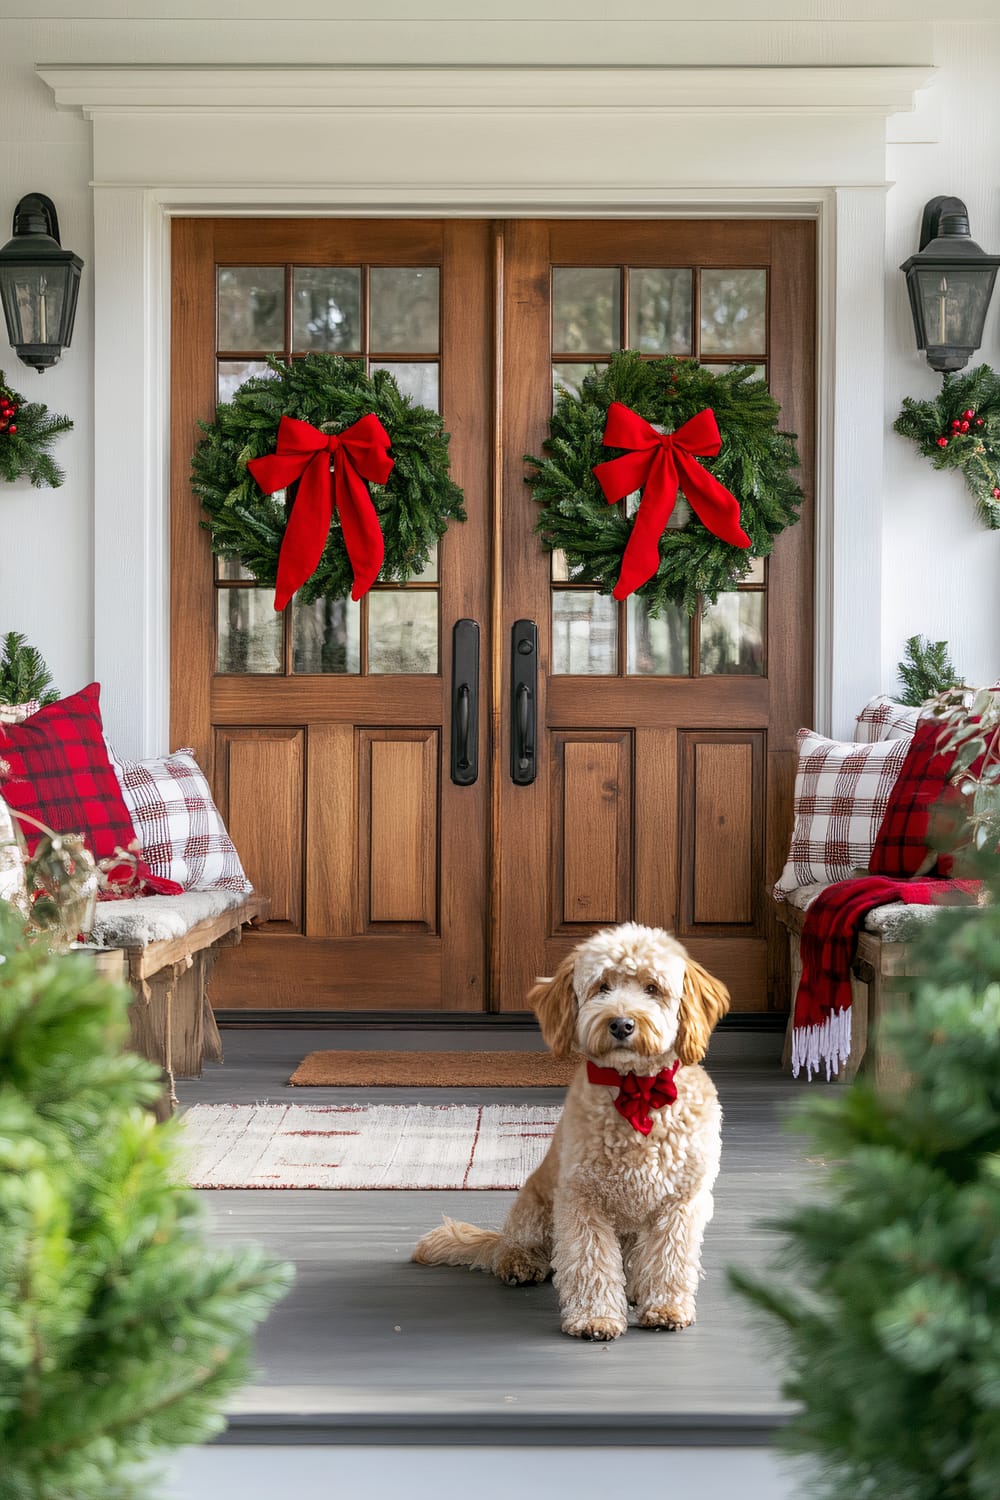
[456, 1244]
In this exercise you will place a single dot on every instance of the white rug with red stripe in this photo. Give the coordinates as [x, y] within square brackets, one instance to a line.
[366, 1146]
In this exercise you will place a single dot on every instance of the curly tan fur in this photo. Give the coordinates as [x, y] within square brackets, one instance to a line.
[617, 1216]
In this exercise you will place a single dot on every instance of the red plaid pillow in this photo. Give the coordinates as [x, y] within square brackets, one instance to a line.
[901, 843]
[55, 767]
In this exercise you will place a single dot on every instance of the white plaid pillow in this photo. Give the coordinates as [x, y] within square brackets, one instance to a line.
[180, 828]
[841, 793]
[12, 887]
[882, 718]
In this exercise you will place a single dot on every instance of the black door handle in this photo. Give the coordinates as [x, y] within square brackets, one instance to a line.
[465, 703]
[523, 706]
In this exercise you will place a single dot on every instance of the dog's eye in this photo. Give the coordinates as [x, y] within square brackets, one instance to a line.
[605, 989]
[652, 989]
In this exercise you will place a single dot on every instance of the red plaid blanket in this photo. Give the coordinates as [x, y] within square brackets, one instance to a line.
[822, 1027]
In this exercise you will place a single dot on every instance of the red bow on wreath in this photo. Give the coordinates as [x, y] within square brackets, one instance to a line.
[360, 452]
[659, 463]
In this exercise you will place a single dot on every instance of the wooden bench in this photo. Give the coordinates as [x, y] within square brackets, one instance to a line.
[883, 963]
[164, 947]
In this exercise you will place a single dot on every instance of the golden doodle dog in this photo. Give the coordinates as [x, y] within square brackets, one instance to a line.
[618, 1208]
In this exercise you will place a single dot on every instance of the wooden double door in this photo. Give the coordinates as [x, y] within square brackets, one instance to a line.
[625, 768]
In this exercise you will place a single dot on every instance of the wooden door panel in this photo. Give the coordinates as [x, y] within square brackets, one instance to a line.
[591, 860]
[356, 833]
[722, 795]
[261, 773]
[398, 828]
[711, 751]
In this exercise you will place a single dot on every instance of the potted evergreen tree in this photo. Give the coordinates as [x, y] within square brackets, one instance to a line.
[121, 1332]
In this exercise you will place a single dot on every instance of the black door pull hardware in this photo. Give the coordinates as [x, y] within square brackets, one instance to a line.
[523, 701]
[465, 703]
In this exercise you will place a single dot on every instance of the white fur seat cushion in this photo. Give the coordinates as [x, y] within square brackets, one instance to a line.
[894, 923]
[151, 919]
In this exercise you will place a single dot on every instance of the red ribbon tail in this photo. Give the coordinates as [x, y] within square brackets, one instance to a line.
[362, 533]
[307, 530]
[641, 558]
[714, 505]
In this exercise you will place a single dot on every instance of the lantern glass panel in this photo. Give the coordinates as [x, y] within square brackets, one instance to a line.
[954, 302]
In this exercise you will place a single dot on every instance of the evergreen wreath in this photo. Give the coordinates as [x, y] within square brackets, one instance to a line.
[27, 429]
[755, 463]
[961, 430]
[413, 507]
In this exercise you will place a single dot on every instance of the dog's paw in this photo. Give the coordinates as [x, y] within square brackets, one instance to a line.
[518, 1266]
[668, 1317]
[599, 1330]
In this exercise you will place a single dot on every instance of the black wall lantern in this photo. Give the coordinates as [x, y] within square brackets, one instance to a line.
[950, 282]
[39, 284]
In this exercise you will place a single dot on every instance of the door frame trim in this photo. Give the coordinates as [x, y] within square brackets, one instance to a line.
[770, 142]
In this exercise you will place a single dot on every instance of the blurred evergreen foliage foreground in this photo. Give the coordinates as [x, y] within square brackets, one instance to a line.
[887, 1295]
[121, 1332]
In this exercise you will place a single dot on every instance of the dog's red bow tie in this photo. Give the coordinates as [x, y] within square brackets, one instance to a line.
[638, 1094]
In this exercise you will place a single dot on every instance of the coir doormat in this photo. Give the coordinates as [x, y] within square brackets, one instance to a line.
[365, 1146]
[430, 1070]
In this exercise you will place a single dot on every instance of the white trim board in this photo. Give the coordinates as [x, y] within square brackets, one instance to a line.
[178, 150]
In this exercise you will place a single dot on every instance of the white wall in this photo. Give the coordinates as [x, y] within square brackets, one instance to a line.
[939, 564]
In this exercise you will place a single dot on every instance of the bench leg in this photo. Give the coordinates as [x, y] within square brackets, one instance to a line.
[211, 1039]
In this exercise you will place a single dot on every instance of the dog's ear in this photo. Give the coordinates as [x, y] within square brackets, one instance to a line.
[704, 1001]
[554, 1003]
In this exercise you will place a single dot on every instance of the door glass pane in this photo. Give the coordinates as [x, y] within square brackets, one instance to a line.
[584, 632]
[571, 376]
[231, 567]
[249, 631]
[732, 635]
[404, 309]
[403, 630]
[734, 312]
[327, 636]
[419, 382]
[760, 370]
[659, 311]
[586, 309]
[430, 573]
[251, 307]
[326, 302]
[756, 571]
[233, 372]
[658, 647]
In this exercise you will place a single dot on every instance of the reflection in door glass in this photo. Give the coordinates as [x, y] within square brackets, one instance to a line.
[659, 311]
[403, 315]
[249, 631]
[327, 636]
[251, 307]
[403, 630]
[584, 632]
[659, 647]
[732, 635]
[734, 312]
[586, 309]
[326, 303]
[418, 381]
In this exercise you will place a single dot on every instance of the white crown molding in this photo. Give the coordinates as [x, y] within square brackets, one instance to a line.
[874, 90]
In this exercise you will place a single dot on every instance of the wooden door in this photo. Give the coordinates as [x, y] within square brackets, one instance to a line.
[325, 729]
[666, 750]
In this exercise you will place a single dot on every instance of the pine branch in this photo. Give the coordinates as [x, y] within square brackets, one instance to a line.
[24, 677]
[27, 431]
[925, 671]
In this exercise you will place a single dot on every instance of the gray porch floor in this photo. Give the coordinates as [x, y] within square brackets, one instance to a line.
[369, 1344]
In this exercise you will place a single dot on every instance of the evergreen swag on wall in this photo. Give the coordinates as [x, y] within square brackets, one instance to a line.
[755, 463]
[413, 506]
[961, 430]
[27, 432]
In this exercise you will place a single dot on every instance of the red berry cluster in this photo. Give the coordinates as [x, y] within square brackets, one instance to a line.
[8, 411]
[960, 426]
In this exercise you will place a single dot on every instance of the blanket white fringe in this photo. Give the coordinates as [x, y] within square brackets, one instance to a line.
[828, 1045]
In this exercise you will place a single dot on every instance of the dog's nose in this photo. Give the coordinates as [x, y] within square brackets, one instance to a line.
[621, 1028]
